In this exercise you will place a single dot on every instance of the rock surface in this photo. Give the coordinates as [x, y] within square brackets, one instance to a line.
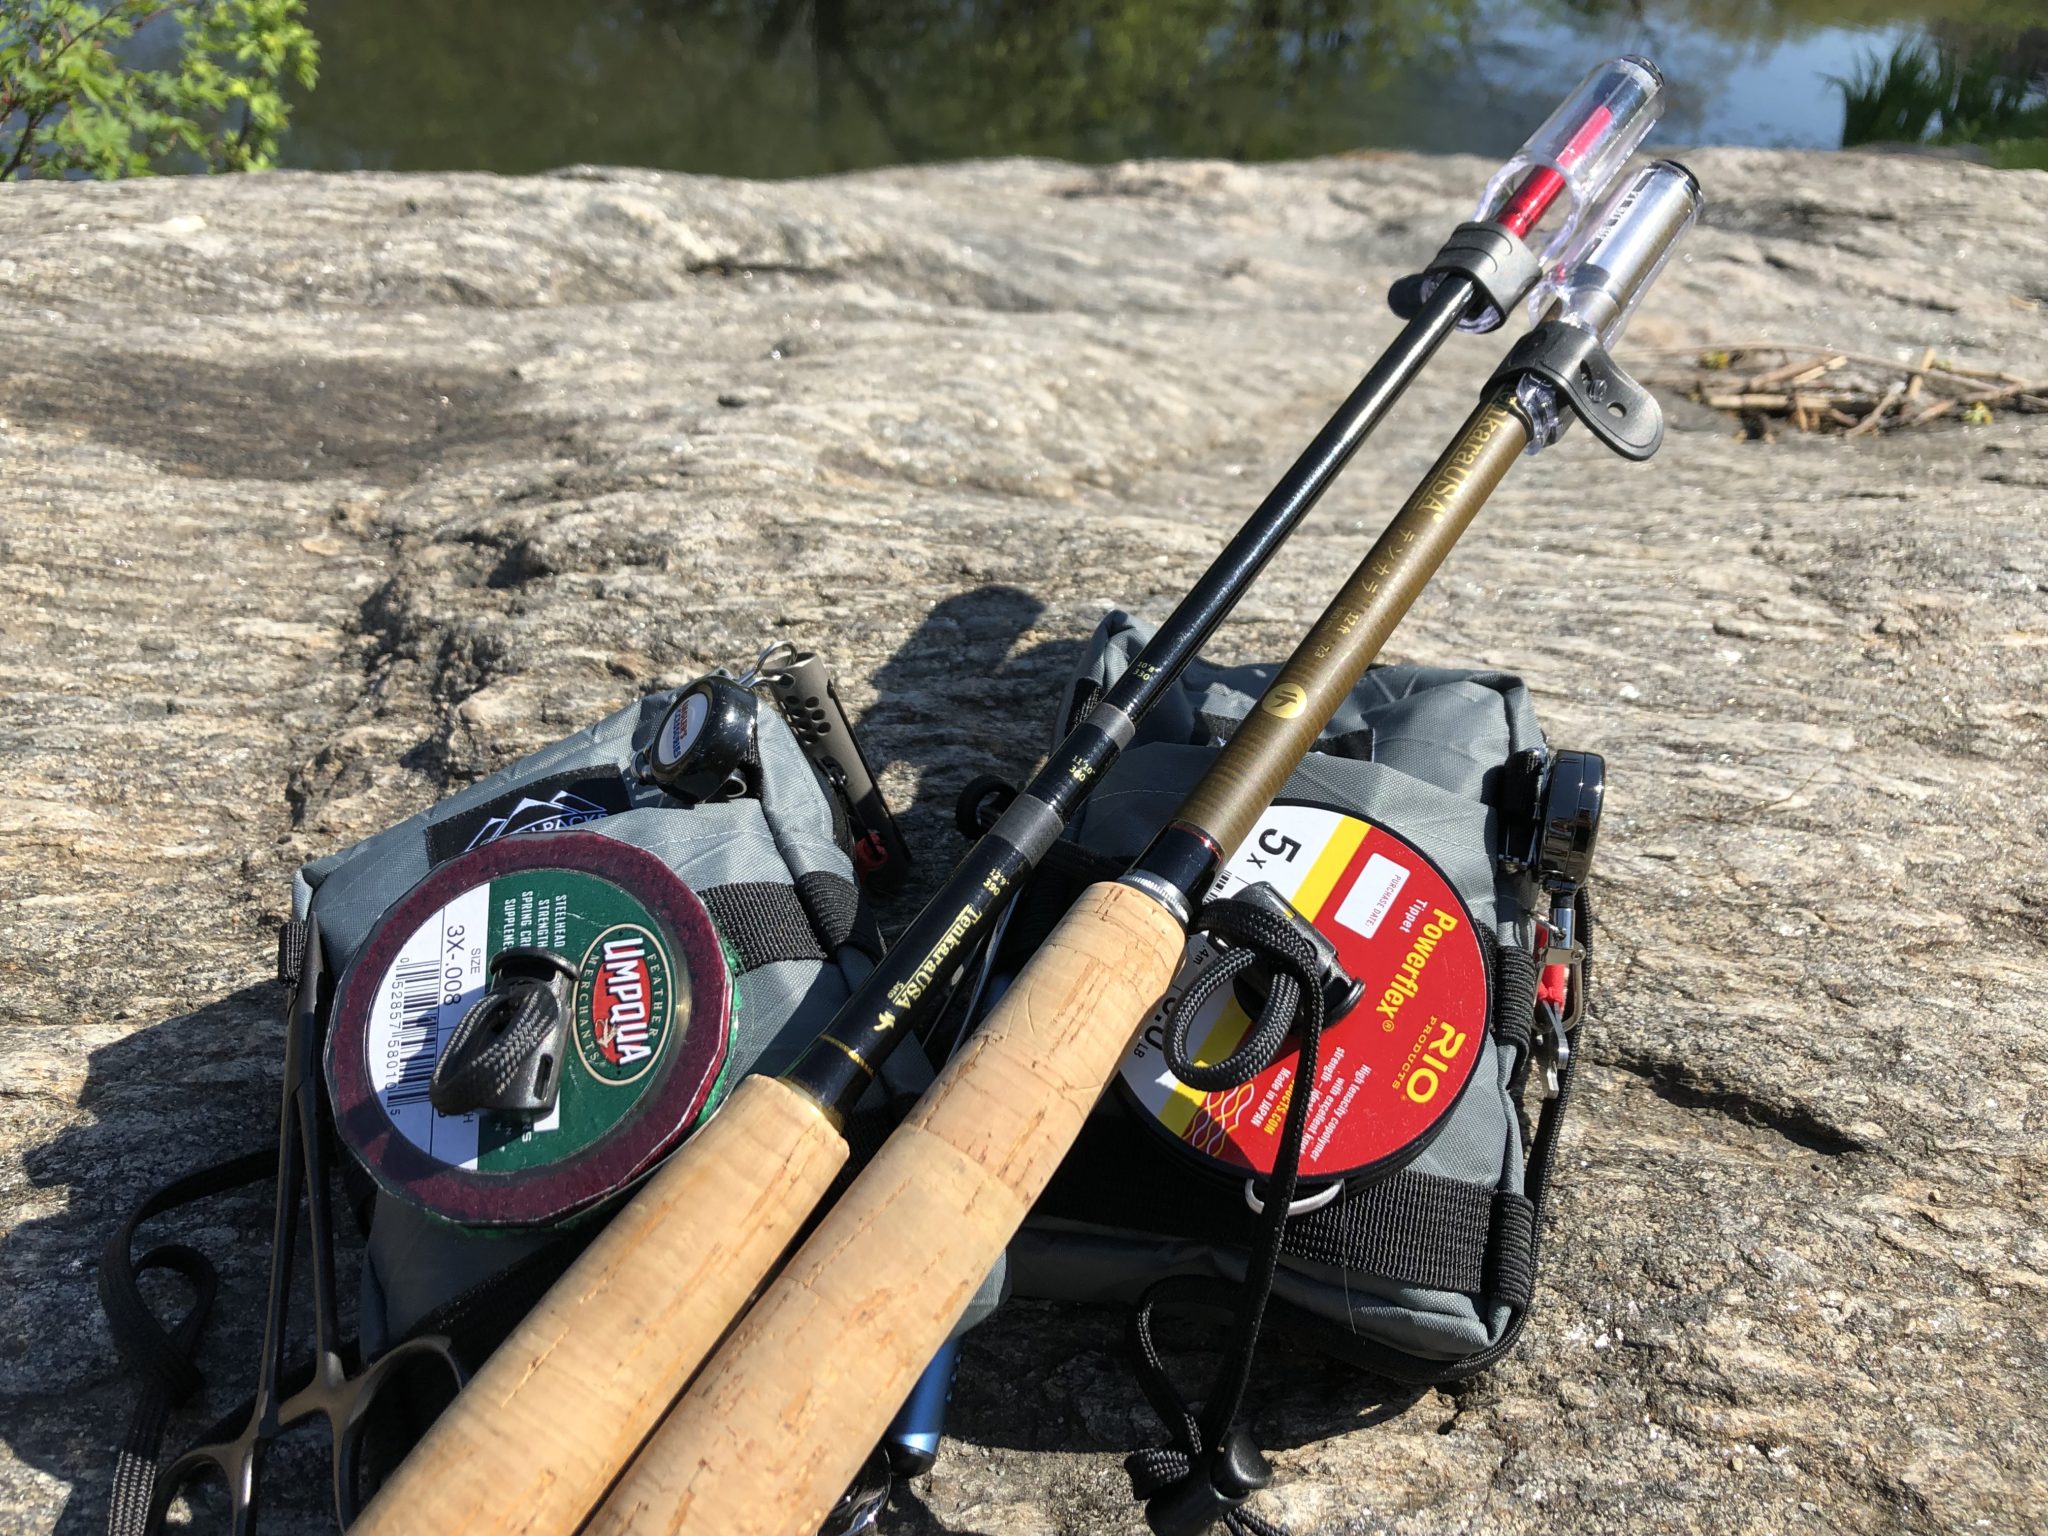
[320, 496]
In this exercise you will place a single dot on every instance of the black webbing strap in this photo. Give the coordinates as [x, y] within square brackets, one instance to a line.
[762, 921]
[1086, 696]
[1421, 1229]
[1414, 1228]
[1515, 974]
[1356, 745]
[291, 950]
[765, 920]
[161, 1357]
[837, 912]
[1511, 1259]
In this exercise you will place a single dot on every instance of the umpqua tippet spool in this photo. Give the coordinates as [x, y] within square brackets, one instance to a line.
[644, 1054]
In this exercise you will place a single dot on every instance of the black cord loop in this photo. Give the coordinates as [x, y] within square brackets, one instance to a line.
[1167, 1475]
[1252, 936]
[1212, 1466]
[163, 1358]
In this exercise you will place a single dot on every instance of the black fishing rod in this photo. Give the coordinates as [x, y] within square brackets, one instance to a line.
[1481, 273]
[710, 1226]
[762, 1442]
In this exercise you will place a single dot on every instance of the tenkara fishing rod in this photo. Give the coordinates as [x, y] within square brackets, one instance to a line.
[783, 1415]
[616, 1339]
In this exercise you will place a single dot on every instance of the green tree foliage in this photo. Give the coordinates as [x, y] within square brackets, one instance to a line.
[75, 98]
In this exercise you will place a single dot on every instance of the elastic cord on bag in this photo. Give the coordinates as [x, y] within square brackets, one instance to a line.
[1212, 1465]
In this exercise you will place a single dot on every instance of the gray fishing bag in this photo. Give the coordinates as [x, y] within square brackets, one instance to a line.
[738, 877]
[1424, 1276]
[772, 868]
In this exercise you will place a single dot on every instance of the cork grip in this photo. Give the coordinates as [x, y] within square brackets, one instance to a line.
[771, 1433]
[534, 1441]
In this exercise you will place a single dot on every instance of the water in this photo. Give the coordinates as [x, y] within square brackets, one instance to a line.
[800, 87]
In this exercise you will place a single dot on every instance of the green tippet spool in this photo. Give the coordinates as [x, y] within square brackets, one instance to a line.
[651, 1018]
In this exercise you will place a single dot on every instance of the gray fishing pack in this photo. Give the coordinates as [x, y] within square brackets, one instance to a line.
[503, 1013]
[771, 864]
[1416, 1262]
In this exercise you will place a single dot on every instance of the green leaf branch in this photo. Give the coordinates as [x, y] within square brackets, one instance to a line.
[76, 101]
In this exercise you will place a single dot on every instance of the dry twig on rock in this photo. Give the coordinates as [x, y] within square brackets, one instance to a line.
[1827, 389]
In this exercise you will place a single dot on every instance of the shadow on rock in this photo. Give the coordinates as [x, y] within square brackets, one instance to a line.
[192, 1091]
[200, 1088]
[959, 699]
[297, 419]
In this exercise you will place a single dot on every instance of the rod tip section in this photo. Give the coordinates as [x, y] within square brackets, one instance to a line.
[1691, 181]
[1578, 151]
[1613, 263]
[1647, 66]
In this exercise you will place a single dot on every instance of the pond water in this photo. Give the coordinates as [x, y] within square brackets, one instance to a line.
[799, 87]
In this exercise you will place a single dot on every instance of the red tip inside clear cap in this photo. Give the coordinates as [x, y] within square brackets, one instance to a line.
[1578, 151]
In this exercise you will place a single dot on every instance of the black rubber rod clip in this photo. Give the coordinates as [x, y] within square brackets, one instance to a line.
[1502, 268]
[1601, 393]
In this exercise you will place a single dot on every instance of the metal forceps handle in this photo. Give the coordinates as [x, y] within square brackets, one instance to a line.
[803, 689]
[332, 1392]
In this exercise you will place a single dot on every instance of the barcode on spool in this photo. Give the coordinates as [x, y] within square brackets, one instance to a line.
[416, 1041]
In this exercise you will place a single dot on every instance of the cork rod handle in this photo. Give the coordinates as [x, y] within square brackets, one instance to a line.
[770, 1434]
[533, 1442]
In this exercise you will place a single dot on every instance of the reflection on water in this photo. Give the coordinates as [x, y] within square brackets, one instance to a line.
[797, 87]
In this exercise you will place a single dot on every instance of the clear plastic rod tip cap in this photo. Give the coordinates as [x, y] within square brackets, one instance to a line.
[1584, 143]
[1619, 254]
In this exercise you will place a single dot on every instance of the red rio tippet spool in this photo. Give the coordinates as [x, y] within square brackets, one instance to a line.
[647, 1032]
[1392, 1068]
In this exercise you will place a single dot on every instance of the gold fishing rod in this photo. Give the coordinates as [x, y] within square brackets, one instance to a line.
[783, 1416]
[617, 1338]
